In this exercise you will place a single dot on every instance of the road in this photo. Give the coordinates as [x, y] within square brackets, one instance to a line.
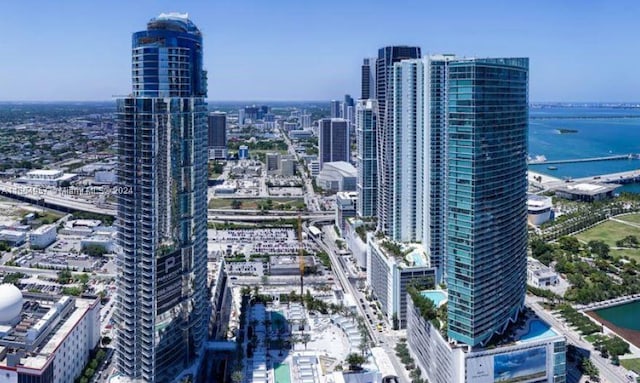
[608, 372]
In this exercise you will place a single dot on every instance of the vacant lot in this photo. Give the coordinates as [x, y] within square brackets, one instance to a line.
[610, 232]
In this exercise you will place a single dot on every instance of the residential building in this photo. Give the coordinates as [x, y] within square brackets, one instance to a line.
[272, 162]
[241, 117]
[46, 339]
[348, 109]
[162, 308]
[217, 136]
[387, 56]
[305, 121]
[336, 109]
[368, 79]
[334, 141]
[534, 352]
[346, 203]
[391, 269]
[486, 196]
[367, 113]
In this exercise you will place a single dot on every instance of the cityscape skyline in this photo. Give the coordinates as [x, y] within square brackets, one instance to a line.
[244, 55]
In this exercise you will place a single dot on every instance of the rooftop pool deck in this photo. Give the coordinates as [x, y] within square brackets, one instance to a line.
[537, 330]
[438, 297]
[282, 373]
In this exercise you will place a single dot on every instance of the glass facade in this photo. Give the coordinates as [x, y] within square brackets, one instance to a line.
[334, 140]
[486, 222]
[162, 307]
[367, 186]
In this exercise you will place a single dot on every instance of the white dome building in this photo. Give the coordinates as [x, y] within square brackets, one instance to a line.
[10, 304]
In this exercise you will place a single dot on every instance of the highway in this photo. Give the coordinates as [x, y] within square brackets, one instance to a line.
[608, 372]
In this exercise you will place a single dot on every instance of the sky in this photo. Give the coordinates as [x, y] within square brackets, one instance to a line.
[294, 50]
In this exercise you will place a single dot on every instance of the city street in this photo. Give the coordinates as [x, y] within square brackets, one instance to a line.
[608, 372]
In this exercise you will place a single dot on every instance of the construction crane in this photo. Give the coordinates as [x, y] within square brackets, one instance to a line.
[301, 257]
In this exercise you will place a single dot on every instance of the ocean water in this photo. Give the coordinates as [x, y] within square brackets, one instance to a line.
[625, 315]
[600, 132]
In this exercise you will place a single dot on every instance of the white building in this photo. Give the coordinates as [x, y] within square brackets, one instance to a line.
[390, 273]
[45, 339]
[314, 168]
[43, 236]
[338, 176]
[539, 275]
[539, 209]
[534, 352]
[46, 177]
[13, 237]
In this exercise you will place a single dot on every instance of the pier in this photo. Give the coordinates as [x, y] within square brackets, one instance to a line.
[592, 159]
[608, 303]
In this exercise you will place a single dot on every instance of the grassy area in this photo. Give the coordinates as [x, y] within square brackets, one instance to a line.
[609, 232]
[256, 203]
[633, 218]
[631, 364]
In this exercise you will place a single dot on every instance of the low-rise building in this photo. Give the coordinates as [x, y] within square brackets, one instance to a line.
[337, 176]
[314, 168]
[45, 339]
[393, 267]
[43, 236]
[586, 191]
[46, 177]
[533, 352]
[539, 209]
[13, 237]
[539, 275]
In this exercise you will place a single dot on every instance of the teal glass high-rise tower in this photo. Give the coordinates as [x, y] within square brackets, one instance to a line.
[486, 215]
[162, 307]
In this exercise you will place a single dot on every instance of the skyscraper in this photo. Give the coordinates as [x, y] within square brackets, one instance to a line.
[366, 117]
[368, 79]
[348, 102]
[162, 307]
[406, 150]
[336, 109]
[333, 140]
[218, 135]
[486, 225]
[387, 56]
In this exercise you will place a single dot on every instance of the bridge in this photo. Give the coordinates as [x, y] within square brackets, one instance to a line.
[591, 159]
[627, 177]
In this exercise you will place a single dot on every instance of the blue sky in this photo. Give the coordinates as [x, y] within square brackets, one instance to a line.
[312, 50]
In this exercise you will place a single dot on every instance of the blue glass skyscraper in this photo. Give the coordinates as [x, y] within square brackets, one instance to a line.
[486, 222]
[162, 308]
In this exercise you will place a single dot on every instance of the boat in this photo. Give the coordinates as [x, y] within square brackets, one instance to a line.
[552, 167]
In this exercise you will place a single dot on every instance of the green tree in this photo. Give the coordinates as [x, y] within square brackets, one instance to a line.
[569, 244]
[599, 248]
[236, 204]
[65, 277]
[355, 361]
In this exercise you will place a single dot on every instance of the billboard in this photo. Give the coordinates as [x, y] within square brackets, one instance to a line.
[520, 365]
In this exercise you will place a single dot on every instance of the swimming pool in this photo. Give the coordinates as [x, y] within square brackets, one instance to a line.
[438, 297]
[538, 330]
[283, 374]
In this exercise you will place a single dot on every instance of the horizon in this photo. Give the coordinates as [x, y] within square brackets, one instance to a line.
[283, 50]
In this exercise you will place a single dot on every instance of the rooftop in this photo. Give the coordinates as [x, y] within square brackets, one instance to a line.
[587, 188]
